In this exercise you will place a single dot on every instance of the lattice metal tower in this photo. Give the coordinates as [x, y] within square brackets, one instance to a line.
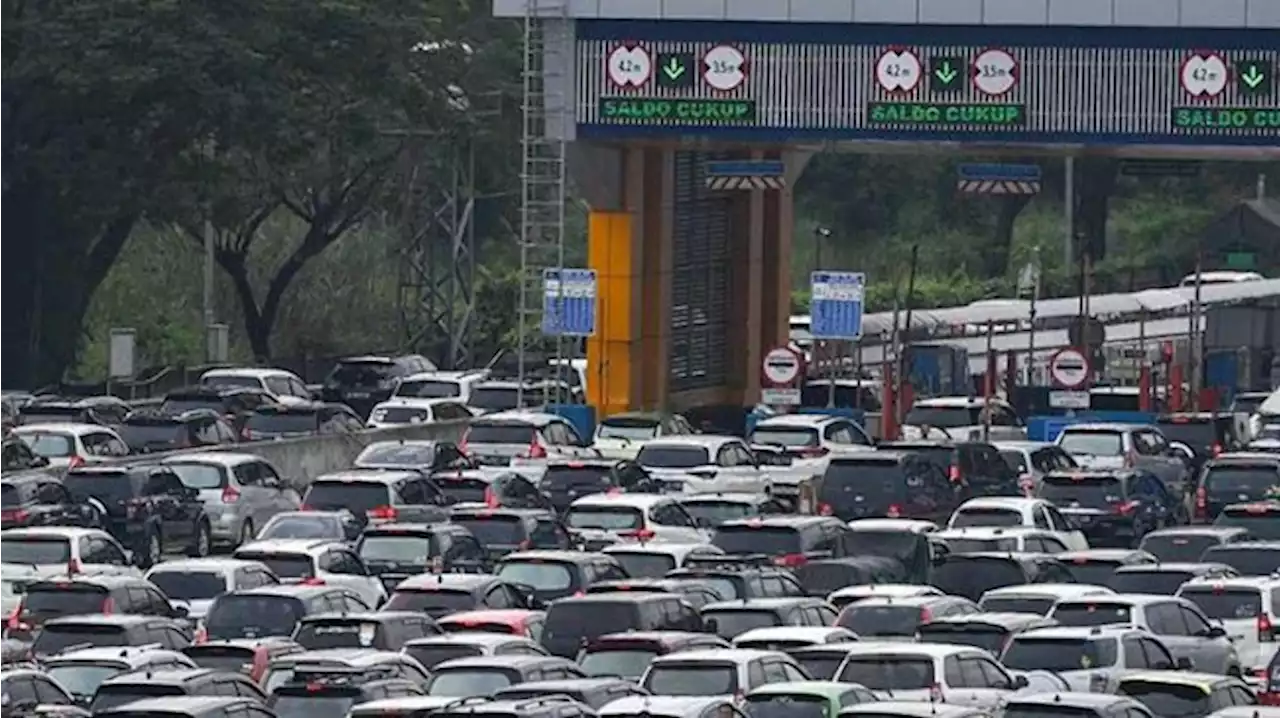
[542, 177]
[437, 264]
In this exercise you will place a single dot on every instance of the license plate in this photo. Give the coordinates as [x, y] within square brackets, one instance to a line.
[494, 460]
[357, 395]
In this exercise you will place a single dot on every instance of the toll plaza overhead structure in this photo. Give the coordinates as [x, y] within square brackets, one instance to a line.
[694, 267]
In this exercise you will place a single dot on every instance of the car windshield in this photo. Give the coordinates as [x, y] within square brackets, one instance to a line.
[1093, 613]
[438, 602]
[880, 620]
[253, 616]
[1178, 547]
[37, 551]
[540, 575]
[182, 585]
[407, 455]
[296, 703]
[585, 479]
[604, 518]
[429, 389]
[888, 673]
[1092, 443]
[692, 679]
[398, 549]
[336, 633]
[789, 436]
[750, 539]
[302, 526]
[733, 622]
[400, 414]
[494, 531]
[941, 417]
[81, 679]
[971, 576]
[1168, 699]
[657, 456]
[1225, 603]
[988, 638]
[1000, 604]
[1240, 482]
[1155, 581]
[1094, 572]
[109, 487]
[283, 422]
[431, 655]
[793, 705]
[1038, 654]
[50, 446]
[625, 662]
[283, 565]
[500, 433]
[983, 516]
[630, 428]
[199, 476]
[1260, 561]
[1262, 521]
[355, 496]
[1088, 492]
[717, 512]
[465, 682]
[645, 565]
[61, 636]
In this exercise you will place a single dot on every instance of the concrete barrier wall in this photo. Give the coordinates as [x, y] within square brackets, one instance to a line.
[302, 459]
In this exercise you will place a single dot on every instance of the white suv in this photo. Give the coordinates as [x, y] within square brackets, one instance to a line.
[1248, 607]
[322, 562]
[811, 436]
[439, 385]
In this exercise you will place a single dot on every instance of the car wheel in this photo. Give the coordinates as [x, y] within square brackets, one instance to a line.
[200, 547]
[154, 552]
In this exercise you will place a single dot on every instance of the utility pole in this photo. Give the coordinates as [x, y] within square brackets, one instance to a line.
[207, 315]
[1193, 337]
[1069, 207]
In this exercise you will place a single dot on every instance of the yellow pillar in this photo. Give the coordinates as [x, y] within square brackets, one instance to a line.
[610, 253]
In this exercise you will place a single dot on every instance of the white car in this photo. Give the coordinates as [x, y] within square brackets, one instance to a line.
[1010, 511]
[852, 594]
[1089, 658]
[1036, 598]
[620, 436]
[196, 582]
[653, 559]
[929, 672]
[523, 438]
[962, 418]
[1248, 607]
[57, 550]
[811, 436]
[406, 412]
[455, 385]
[1019, 539]
[604, 519]
[14, 578]
[705, 464]
[283, 386]
[718, 672]
[786, 638]
[67, 445]
[319, 561]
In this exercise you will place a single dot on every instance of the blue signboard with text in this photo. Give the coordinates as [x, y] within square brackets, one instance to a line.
[569, 302]
[836, 304]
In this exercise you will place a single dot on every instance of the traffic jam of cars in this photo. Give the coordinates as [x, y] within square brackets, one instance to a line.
[651, 571]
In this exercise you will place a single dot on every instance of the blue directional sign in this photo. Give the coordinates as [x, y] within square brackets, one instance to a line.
[835, 304]
[569, 302]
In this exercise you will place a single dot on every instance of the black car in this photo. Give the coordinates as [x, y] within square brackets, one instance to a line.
[698, 594]
[396, 551]
[1260, 518]
[272, 421]
[135, 685]
[145, 507]
[1113, 508]
[363, 381]
[504, 530]
[47, 600]
[975, 466]
[1235, 478]
[381, 631]
[591, 692]
[790, 540]
[425, 455]
[972, 574]
[1206, 434]
[331, 691]
[232, 403]
[1188, 543]
[1096, 565]
[35, 499]
[566, 481]
[1249, 558]
[886, 483]
[17, 456]
[104, 410]
[556, 574]
[741, 580]
[1163, 579]
[575, 621]
[274, 610]
[440, 594]
[379, 495]
[147, 430]
[478, 486]
[192, 707]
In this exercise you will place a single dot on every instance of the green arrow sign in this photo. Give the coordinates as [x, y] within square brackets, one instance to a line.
[1254, 77]
[675, 69]
[946, 74]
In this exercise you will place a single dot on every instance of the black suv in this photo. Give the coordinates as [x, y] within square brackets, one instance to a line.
[131, 686]
[272, 421]
[791, 540]
[501, 531]
[1235, 478]
[332, 691]
[362, 382]
[104, 410]
[1206, 434]
[575, 621]
[396, 551]
[975, 466]
[145, 507]
[147, 430]
[233, 403]
[1114, 508]
[381, 631]
[737, 579]
[972, 574]
[40, 500]
[886, 483]
[48, 600]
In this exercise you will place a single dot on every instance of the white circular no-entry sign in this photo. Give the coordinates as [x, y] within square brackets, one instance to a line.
[781, 366]
[1069, 368]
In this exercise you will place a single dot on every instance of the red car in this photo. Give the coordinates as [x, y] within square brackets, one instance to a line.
[513, 621]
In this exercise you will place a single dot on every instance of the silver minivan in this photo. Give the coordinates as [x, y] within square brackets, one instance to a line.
[241, 492]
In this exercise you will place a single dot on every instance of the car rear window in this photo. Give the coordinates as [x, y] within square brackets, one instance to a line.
[429, 389]
[628, 659]
[46, 444]
[1199, 435]
[1000, 604]
[356, 496]
[434, 603]
[385, 548]
[718, 512]
[60, 636]
[1261, 520]
[971, 576]
[283, 422]
[1162, 582]
[703, 678]
[1178, 547]
[538, 574]
[876, 482]
[184, 585]
[336, 633]
[579, 619]
[1092, 613]
[37, 551]
[943, 417]
[784, 436]
[880, 620]
[604, 518]
[111, 696]
[310, 701]
[1248, 561]
[220, 658]
[500, 433]
[1241, 482]
[1091, 492]
[585, 479]
[1037, 654]
[433, 654]
[762, 539]
[631, 428]
[979, 635]
[199, 476]
[983, 516]
[461, 489]
[47, 600]
[395, 454]
[501, 398]
[109, 487]
[253, 616]
[1016, 460]
[645, 565]
[1092, 443]
[283, 565]
[790, 705]
[1168, 699]
[466, 682]
[889, 672]
[657, 456]
[155, 434]
[494, 531]
[733, 622]
[1095, 572]
[1225, 603]
[361, 373]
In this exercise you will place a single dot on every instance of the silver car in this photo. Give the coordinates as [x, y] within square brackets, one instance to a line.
[240, 492]
[1032, 460]
[1127, 446]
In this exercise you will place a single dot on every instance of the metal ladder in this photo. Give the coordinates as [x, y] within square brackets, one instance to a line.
[543, 188]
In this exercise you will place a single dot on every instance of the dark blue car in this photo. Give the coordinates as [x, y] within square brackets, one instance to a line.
[1114, 508]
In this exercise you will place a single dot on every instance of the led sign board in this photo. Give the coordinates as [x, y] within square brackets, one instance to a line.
[657, 110]
[934, 114]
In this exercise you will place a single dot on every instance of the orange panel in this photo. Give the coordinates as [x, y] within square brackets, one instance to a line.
[609, 252]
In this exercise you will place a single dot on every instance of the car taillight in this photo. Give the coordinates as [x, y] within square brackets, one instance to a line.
[1125, 508]
[1216, 449]
[953, 473]
[524, 545]
[14, 623]
[246, 435]
[1202, 503]
[201, 636]
[925, 615]
[638, 534]
[935, 693]
[76, 461]
[311, 581]
[108, 606]
[383, 513]
[825, 510]
[791, 560]
[536, 450]
[490, 497]
[15, 515]
[1266, 629]
[306, 507]
[230, 495]
[813, 452]
[894, 512]
[1028, 485]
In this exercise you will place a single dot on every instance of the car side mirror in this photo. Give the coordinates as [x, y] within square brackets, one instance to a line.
[1216, 632]
[179, 611]
[40, 461]
[132, 558]
[1183, 663]
[1020, 682]
[711, 625]
[703, 522]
